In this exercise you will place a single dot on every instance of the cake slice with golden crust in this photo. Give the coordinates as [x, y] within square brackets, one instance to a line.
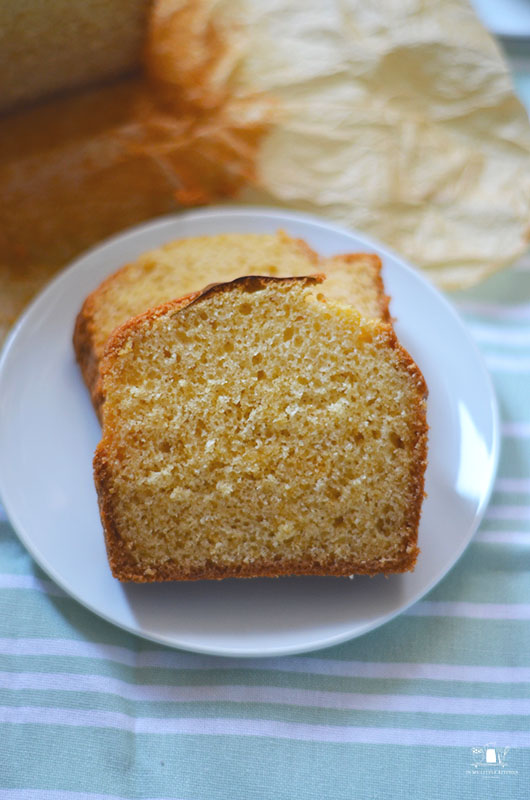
[260, 429]
[190, 264]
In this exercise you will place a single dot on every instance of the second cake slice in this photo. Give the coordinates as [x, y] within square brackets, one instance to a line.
[190, 264]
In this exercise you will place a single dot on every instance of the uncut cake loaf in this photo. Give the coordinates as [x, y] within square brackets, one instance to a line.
[258, 428]
[190, 264]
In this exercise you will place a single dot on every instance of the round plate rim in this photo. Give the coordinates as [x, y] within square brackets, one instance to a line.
[283, 216]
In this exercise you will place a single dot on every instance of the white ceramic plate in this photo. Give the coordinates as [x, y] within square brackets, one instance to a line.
[49, 431]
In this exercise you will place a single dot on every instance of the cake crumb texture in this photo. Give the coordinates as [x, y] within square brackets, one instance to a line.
[189, 264]
[258, 429]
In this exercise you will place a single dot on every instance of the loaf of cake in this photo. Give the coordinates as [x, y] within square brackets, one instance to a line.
[258, 428]
[55, 46]
[190, 264]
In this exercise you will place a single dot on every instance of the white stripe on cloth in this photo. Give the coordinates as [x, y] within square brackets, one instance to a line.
[492, 334]
[503, 537]
[75, 648]
[518, 430]
[499, 311]
[277, 695]
[274, 729]
[508, 512]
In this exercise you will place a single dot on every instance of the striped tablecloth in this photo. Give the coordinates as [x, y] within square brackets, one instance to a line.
[435, 704]
[408, 710]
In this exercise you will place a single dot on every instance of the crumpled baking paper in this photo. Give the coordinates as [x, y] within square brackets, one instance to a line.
[397, 119]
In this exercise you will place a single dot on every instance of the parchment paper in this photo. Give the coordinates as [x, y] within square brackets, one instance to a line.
[397, 118]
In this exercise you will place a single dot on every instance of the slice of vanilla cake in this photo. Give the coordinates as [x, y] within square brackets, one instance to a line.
[190, 264]
[259, 429]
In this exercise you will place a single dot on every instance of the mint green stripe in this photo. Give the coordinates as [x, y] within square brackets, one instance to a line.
[502, 349]
[511, 498]
[442, 640]
[510, 384]
[515, 457]
[506, 525]
[248, 768]
[512, 389]
[13, 554]
[487, 575]
[41, 615]
[503, 288]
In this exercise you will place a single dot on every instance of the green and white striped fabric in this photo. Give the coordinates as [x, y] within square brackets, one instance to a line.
[435, 704]
[423, 707]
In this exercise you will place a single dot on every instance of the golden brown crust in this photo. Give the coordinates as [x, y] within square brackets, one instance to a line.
[120, 561]
[84, 342]
[252, 283]
[85, 351]
[125, 569]
[420, 439]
